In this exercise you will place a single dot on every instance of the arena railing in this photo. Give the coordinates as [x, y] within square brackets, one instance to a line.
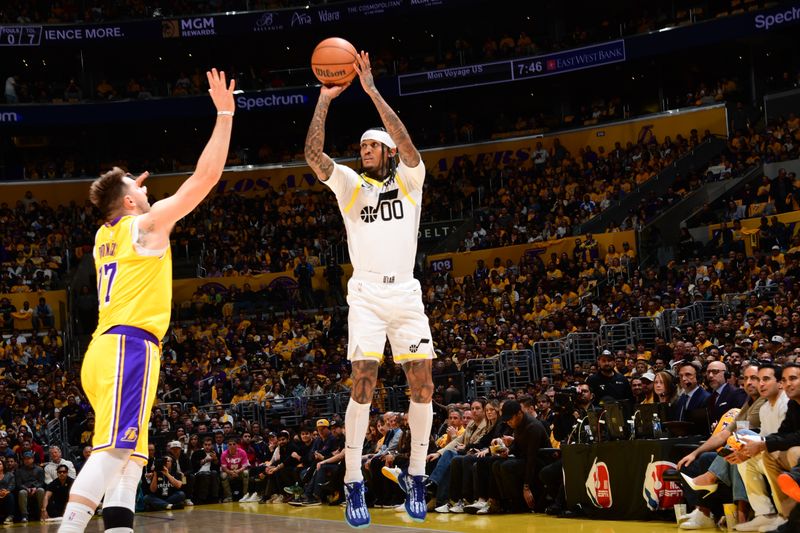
[484, 376]
[549, 357]
[517, 368]
[581, 347]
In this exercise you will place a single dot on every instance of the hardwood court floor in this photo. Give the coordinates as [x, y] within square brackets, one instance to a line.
[255, 518]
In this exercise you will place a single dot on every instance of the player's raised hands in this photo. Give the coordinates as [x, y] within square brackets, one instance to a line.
[364, 70]
[221, 92]
[332, 91]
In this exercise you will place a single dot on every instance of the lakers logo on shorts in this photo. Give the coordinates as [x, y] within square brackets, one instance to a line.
[131, 435]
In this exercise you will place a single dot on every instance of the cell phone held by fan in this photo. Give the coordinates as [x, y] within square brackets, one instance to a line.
[725, 451]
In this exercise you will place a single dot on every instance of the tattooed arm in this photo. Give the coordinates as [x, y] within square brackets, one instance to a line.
[394, 126]
[319, 161]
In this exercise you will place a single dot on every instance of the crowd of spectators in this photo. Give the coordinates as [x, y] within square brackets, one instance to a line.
[548, 198]
[765, 197]
[234, 354]
[218, 366]
[37, 242]
[543, 197]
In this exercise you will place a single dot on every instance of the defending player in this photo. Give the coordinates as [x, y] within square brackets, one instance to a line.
[381, 210]
[134, 279]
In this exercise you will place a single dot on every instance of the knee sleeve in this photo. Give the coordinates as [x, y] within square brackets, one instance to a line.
[123, 495]
[100, 474]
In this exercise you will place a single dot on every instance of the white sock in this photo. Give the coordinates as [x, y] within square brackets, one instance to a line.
[356, 423]
[76, 517]
[420, 420]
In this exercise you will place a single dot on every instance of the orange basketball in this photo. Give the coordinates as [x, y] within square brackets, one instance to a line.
[332, 61]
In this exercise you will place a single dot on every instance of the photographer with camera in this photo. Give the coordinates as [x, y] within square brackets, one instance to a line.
[571, 407]
[181, 466]
[163, 491]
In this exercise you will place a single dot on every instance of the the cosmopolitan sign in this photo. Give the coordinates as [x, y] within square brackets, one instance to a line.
[512, 70]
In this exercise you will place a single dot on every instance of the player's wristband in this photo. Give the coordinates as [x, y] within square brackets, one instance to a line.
[228, 113]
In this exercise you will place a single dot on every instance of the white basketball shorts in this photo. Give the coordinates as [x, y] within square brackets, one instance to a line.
[394, 310]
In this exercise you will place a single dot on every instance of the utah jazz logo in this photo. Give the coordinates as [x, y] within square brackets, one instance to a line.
[369, 214]
[414, 347]
[389, 208]
[131, 434]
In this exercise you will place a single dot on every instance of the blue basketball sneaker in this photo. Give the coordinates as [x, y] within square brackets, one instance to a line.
[356, 513]
[415, 489]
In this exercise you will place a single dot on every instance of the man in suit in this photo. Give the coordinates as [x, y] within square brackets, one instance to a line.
[692, 395]
[724, 396]
[219, 443]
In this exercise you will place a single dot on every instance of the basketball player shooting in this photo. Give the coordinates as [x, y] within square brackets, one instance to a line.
[381, 208]
[121, 367]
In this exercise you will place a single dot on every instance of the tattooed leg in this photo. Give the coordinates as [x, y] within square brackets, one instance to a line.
[420, 413]
[420, 380]
[365, 377]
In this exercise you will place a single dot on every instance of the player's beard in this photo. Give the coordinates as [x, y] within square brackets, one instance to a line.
[378, 173]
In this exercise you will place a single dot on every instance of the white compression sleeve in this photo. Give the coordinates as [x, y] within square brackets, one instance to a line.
[420, 420]
[356, 423]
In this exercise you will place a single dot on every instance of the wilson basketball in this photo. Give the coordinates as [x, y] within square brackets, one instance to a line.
[332, 61]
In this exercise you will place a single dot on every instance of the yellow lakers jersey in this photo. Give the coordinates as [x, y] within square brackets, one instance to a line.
[134, 286]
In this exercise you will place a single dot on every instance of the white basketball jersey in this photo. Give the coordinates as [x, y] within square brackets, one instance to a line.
[381, 219]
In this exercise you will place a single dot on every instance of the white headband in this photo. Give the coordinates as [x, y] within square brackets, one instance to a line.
[380, 136]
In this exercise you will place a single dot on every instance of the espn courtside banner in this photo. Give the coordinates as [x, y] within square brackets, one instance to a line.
[598, 486]
[657, 493]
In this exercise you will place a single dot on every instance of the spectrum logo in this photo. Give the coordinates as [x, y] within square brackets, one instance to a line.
[273, 100]
[765, 22]
[10, 116]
